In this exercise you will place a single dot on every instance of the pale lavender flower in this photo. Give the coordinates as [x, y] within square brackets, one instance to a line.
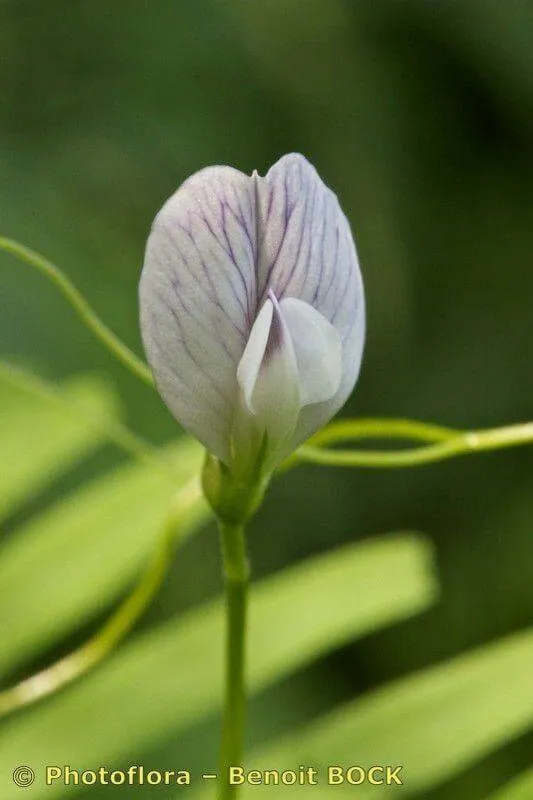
[252, 308]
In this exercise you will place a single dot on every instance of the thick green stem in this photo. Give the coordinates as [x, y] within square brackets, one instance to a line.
[236, 576]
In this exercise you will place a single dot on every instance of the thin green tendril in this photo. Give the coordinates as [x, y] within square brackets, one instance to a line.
[188, 505]
[442, 443]
[114, 431]
[87, 315]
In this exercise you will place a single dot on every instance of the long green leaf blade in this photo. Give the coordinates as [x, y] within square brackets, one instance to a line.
[39, 441]
[520, 788]
[168, 679]
[70, 562]
[434, 724]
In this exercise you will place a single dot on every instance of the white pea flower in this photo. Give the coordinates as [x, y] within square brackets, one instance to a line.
[252, 309]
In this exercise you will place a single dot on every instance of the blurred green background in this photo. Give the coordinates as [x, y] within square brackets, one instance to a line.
[420, 116]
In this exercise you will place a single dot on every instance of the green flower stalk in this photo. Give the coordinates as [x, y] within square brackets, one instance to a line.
[253, 320]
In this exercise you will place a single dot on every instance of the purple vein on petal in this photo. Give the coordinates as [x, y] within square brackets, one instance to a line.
[254, 249]
[274, 262]
[348, 290]
[317, 244]
[306, 269]
[176, 282]
[258, 230]
[330, 283]
[226, 198]
[305, 230]
[329, 273]
[227, 248]
[344, 269]
[168, 359]
[240, 217]
[270, 203]
[214, 295]
[199, 321]
[210, 296]
[224, 206]
[228, 252]
[192, 356]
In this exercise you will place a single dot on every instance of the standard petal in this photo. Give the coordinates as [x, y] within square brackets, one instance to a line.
[305, 247]
[198, 298]
[223, 248]
[306, 251]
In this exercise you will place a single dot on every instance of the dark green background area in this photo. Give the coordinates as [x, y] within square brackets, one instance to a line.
[420, 116]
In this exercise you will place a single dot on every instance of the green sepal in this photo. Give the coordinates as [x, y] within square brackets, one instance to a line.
[235, 495]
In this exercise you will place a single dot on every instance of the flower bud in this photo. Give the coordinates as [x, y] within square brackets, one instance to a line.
[252, 309]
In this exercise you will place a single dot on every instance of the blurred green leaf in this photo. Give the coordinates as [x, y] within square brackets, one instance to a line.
[520, 788]
[39, 441]
[167, 679]
[434, 723]
[65, 566]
